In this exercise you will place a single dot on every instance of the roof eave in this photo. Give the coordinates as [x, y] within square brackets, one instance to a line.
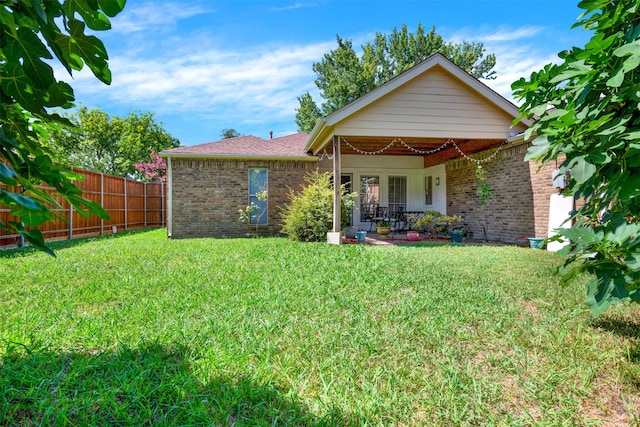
[318, 134]
[301, 158]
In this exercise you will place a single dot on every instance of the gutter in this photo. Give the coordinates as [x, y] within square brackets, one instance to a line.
[315, 133]
[517, 139]
[301, 158]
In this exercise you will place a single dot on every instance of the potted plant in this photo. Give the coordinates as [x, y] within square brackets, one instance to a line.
[413, 235]
[361, 235]
[383, 228]
[536, 242]
[456, 236]
[435, 222]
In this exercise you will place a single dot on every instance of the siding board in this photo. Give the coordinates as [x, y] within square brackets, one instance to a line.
[436, 105]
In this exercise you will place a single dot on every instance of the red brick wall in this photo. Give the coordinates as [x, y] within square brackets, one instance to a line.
[519, 205]
[208, 195]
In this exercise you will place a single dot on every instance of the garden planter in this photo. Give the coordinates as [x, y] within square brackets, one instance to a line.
[522, 242]
[383, 232]
[536, 242]
[456, 236]
[361, 235]
[413, 236]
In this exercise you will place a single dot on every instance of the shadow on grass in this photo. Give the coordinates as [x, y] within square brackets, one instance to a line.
[628, 329]
[149, 386]
[64, 244]
[621, 327]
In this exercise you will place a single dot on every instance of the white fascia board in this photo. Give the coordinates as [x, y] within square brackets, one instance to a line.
[302, 158]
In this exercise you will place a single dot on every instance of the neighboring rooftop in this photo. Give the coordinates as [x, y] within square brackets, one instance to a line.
[289, 146]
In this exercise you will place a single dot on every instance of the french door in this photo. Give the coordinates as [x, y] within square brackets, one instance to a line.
[397, 194]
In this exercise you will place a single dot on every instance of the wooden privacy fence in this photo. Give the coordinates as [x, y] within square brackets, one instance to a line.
[130, 204]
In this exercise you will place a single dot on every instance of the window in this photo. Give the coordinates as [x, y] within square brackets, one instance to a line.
[258, 195]
[428, 190]
[369, 196]
[397, 194]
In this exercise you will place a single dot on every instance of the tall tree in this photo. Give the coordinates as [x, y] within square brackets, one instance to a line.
[307, 114]
[32, 32]
[107, 144]
[343, 76]
[229, 133]
[593, 128]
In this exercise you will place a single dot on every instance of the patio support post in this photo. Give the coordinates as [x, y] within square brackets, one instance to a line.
[334, 236]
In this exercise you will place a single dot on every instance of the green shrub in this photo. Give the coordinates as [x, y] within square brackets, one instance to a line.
[435, 222]
[309, 215]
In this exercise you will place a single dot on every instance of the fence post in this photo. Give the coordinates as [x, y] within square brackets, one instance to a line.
[70, 221]
[162, 184]
[125, 203]
[145, 204]
[102, 201]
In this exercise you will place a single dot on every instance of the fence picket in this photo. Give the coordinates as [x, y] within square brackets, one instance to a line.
[123, 199]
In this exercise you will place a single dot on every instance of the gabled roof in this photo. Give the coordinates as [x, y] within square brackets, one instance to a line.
[325, 126]
[290, 147]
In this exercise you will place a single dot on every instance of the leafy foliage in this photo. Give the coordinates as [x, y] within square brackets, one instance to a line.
[254, 211]
[229, 133]
[109, 144]
[593, 126]
[435, 222]
[309, 215]
[32, 33]
[484, 190]
[343, 76]
[155, 170]
[307, 114]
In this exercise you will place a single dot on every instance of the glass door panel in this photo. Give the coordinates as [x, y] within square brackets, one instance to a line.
[369, 196]
[397, 194]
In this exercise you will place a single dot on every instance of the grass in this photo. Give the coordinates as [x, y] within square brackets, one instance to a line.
[135, 329]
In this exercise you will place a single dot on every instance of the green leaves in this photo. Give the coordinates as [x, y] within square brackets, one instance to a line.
[594, 129]
[343, 75]
[30, 34]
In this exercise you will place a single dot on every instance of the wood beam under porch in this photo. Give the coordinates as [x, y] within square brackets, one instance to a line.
[434, 151]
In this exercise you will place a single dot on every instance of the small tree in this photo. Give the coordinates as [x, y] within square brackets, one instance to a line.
[309, 215]
[155, 170]
[229, 133]
[251, 212]
[484, 192]
[32, 33]
[587, 109]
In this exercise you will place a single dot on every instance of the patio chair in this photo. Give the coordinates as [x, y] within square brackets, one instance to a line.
[399, 220]
[380, 215]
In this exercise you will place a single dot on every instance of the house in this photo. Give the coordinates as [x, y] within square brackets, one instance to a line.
[412, 144]
[209, 184]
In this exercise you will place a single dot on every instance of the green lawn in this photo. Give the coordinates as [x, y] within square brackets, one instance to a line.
[137, 329]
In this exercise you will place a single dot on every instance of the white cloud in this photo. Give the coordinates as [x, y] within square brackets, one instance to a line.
[154, 15]
[261, 85]
[207, 83]
[519, 52]
[509, 35]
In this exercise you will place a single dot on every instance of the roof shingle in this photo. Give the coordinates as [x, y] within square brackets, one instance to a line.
[284, 146]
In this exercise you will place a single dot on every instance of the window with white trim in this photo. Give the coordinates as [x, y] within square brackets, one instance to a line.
[428, 190]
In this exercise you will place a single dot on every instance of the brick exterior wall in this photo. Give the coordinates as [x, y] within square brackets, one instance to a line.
[207, 195]
[519, 206]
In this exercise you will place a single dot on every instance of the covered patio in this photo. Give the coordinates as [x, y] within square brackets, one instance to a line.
[392, 145]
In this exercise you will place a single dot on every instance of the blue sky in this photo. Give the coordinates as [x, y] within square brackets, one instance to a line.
[203, 66]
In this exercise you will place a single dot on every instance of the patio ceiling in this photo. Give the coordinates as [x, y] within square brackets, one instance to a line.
[422, 147]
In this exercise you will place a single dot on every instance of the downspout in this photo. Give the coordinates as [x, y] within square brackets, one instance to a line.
[169, 198]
